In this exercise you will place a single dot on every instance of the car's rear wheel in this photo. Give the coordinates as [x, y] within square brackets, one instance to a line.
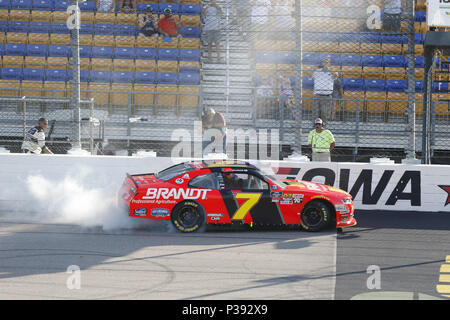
[188, 216]
[316, 216]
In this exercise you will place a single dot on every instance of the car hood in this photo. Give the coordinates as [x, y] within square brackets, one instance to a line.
[299, 185]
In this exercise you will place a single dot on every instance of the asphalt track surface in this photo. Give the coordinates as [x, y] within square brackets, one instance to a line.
[153, 262]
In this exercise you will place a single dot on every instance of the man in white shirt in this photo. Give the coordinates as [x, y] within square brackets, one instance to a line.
[323, 91]
[212, 13]
[35, 139]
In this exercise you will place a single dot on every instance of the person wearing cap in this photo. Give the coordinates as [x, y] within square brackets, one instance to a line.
[323, 91]
[321, 141]
[215, 120]
[34, 141]
[148, 24]
[168, 26]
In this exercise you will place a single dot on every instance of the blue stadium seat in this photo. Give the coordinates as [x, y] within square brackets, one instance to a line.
[420, 16]
[390, 38]
[190, 32]
[440, 87]
[166, 78]
[21, 4]
[60, 28]
[104, 29]
[175, 8]
[265, 57]
[310, 58]
[144, 77]
[122, 76]
[370, 37]
[99, 76]
[87, 6]
[36, 50]
[143, 6]
[18, 26]
[55, 75]
[43, 5]
[350, 60]
[15, 49]
[286, 58]
[191, 9]
[58, 51]
[168, 54]
[125, 30]
[84, 75]
[393, 85]
[307, 83]
[189, 55]
[61, 5]
[146, 53]
[353, 84]
[419, 61]
[372, 60]
[393, 61]
[86, 28]
[39, 27]
[349, 37]
[419, 39]
[334, 58]
[375, 85]
[102, 52]
[189, 78]
[5, 4]
[2, 49]
[419, 85]
[33, 74]
[85, 52]
[11, 73]
[124, 53]
[3, 26]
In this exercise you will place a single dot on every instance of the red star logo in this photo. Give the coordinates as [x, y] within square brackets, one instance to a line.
[446, 189]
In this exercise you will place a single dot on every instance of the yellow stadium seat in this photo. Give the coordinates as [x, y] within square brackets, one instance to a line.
[2, 38]
[419, 74]
[55, 89]
[349, 47]
[104, 40]
[16, 37]
[189, 100]
[31, 88]
[419, 103]
[126, 18]
[13, 62]
[125, 41]
[145, 65]
[189, 64]
[41, 16]
[85, 39]
[123, 65]
[400, 105]
[373, 73]
[85, 64]
[190, 21]
[262, 45]
[328, 46]
[84, 94]
[311, 46]
[105, 18]
[121, 93]
[101, 64]
[285, 45]
[166, 95]
[173, 44]
[347, 25]
[351, 106]
[420, 5]
[189, 43]
[308, 70]
[34, 62]
[61, 39]
[184, 1]
[395, 73]
[100, 92]
[307, 100]
[57, 63]
[19, 15]
[167, 66]
[60, 16]
[87, 17]
[38, 38]
[10, 87]
[146, 42]
[4, 15]
[370, 48]
[392, 48]
[144, 94]
[351, 71]
[418, 50]
[265, 69]
[442, 104]
[286, 67]
[376, 106]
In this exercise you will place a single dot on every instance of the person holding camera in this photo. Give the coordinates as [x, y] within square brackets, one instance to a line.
[148, 25]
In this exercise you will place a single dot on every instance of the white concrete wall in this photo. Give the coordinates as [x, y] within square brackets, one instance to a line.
[405, 187]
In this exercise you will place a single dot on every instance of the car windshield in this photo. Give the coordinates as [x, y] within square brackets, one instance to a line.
[276, 181]
[174, 171]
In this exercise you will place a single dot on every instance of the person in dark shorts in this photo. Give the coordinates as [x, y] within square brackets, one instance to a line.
[393, 15]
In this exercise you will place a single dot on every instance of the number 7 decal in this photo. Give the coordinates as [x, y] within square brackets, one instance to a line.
[252, 200]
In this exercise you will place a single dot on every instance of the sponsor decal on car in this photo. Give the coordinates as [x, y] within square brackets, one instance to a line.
[141, 212]
[160, 212]
[286, 201]
[298, 198]
[215, 216]
[179, 181]
[168, 193]
[186, 176]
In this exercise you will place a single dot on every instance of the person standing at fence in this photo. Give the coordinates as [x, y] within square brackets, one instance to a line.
[212, 13]
[338, 93]
[321, 141]
[215, 120]
[323, 91]
[105, 5]
[392, 15]
[34, 140]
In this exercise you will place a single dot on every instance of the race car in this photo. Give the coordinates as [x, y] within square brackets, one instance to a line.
[192, 194]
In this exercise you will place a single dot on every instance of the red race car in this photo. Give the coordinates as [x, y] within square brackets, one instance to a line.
[194, 193]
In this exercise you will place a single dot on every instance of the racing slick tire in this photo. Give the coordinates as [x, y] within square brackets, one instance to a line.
[316, 216]
[188, 216]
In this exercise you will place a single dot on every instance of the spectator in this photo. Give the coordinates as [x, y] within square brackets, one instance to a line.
[212, 13]
[169, 25]
[127, 6]
[265, 94]
[323, 90]
[105, 5]
[215, 120]
[260, 17]
[148, 25]
[392, 15]
[286, 96]
[241, 13]
[338, 93]
[34, 140]
[321, 141]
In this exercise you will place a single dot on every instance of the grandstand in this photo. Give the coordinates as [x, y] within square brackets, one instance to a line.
[169, 83]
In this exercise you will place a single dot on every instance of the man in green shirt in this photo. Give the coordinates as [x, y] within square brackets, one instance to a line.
[321, 141]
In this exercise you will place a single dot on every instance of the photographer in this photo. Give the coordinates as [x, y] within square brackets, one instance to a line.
[148, 25]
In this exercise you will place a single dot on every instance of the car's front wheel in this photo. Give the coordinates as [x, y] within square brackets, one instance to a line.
[188, 216]
[316, 216]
